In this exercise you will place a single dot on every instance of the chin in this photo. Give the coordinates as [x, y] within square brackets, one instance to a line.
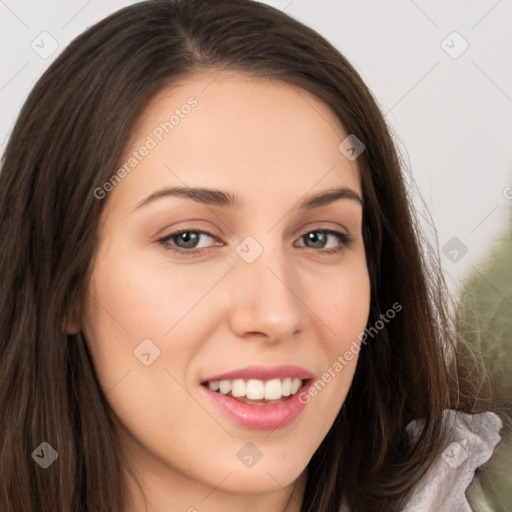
[263, 479]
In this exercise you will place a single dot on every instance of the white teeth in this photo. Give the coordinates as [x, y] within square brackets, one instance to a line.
[296, 383]
[225, 386]
[238, 387]
[287, 386]
[255, 389]
[273, 389]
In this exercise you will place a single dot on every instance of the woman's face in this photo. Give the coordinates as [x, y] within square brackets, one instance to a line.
[270, 292]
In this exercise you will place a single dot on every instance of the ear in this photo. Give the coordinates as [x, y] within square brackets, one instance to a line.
[71, 317]
[71, 328]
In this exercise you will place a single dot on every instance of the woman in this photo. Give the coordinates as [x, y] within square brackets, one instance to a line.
[215, 293]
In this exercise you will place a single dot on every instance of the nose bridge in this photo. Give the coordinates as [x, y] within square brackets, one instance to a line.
[264, 300]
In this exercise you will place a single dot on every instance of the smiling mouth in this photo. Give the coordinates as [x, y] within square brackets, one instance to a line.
[258, 392]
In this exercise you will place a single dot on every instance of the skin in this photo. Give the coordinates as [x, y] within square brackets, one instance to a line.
[271, 145]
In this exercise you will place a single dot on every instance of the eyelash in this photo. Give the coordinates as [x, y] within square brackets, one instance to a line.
[345, 239]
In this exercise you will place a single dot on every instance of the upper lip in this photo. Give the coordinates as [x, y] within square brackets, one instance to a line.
[263, 373]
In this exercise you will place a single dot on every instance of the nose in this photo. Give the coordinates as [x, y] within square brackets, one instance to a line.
[266, 300]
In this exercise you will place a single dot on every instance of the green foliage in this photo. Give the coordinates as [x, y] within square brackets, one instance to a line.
[485, 309]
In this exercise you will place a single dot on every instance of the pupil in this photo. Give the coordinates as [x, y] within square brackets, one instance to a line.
[189, 239]
[318, 238]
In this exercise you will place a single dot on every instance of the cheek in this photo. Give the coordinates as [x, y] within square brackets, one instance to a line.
[344, 306]
[146, 299]
[132, 300]
[130, 310]
[343, 303]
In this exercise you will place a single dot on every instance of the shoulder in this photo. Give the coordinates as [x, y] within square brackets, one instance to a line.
[469, 443]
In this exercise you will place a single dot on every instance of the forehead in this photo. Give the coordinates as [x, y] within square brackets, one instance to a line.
[236, 131]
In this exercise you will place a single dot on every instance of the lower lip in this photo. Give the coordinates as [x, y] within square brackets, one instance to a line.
[260, 417]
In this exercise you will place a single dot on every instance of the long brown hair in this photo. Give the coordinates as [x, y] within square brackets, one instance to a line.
[68, 140]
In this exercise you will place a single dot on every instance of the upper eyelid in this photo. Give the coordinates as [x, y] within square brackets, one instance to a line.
[186, 230]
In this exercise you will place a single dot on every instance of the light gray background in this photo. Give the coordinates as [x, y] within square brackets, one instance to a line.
[452, 117]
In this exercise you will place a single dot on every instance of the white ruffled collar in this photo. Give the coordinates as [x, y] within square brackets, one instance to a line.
[470, 442]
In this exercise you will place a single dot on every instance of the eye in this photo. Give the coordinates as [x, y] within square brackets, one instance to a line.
[185, 241]
[319, 239]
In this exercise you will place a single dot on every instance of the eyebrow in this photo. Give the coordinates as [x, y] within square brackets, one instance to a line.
[215, 197]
